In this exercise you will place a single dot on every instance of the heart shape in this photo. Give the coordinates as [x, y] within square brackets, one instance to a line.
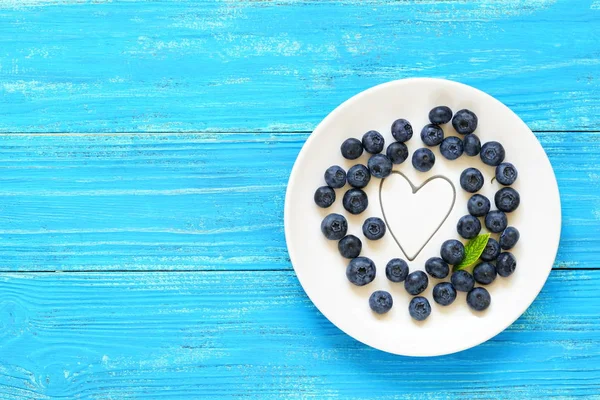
[413, 214]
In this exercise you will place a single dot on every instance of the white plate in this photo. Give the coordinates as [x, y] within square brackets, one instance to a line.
[321, 269]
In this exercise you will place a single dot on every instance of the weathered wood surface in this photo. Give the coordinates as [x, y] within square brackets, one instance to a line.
[112, 66]
[188, 290]
[201, 201]
[255, 334]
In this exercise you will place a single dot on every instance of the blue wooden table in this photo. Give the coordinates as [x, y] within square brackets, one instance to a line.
[144, 155]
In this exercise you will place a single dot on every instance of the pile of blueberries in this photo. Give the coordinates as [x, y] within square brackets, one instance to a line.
[361, 270]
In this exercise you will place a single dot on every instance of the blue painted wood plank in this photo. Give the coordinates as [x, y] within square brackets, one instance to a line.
[249, 335]
[88, 66]
[200, 201]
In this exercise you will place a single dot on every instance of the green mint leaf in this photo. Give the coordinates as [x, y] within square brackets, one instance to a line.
[473, 251]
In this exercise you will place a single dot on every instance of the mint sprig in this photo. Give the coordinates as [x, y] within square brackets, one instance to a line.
[473, 251]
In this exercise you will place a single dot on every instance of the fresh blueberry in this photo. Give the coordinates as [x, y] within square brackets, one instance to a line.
[440, 115]
[373, 228]
[373, 142]
[416, 282]
[361, 271]
[335, 176]
[396, 270]
[509, 238]
[506, 173]
[484, 273]
[350, 246]
[352, 149]
[437, 268]
[452, 148]
[432, 135]
[507, 199]
[491, 251]
[506, 264]
[453, 251]
[423, 160]
[402, 130]
[324, 196]
[381, 301]
[419, 308]
[472, 145]
[444, 293]
[334, 226]
[479, 299]
[397, 152]
[358, 176]
[380, 165]
[492, 153]
[355, 201]
[471, 180]
[496, 221]
[462, 280]
[468, 226]
[478, 205]
[464, 122]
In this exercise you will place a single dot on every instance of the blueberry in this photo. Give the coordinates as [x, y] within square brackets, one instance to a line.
[419, 308]
[402, 130]
[373, 142]
[452, 148]
[506, 264]
[484, 273]
[492, 153]
[437, 268]
[380, 165]
[495, 221]
[397, 152]
[396, 270]
[361, 271]
[334, 226]
[423, 160]
[509, 238]
[440, 115]
[432, 135]
[352, 149]
[506, 173]
[350, 246]
[464, 122]
[479, 299]
[355, 201]
[468, 226]
[452, 251]
[381, 301]
[471, 180]
[507, 199]
[491, 251]
[358, 176]
[478, 205]
[324, 196]
[335, 176]
[462, 280]
[472, 145]
[416, 282]
[373, 228]
[444, 293]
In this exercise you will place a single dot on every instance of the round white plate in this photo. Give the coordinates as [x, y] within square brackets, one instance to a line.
[321, 269]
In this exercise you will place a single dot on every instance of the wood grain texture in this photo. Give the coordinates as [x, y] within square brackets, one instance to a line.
[201, 201]
[249, 335]
[234, 322]
[283, 65]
